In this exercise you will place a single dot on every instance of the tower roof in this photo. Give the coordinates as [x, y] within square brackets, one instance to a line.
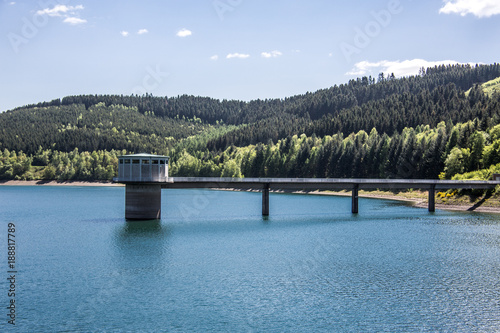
[144, 155]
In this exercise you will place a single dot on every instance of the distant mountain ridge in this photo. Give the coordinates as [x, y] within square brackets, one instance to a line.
[441, 123]
[386, 103]
[325, 101]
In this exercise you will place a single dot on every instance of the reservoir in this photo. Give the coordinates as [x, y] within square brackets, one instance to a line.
[214, 264]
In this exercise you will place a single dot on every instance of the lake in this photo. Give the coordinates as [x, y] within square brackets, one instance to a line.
[214, 264]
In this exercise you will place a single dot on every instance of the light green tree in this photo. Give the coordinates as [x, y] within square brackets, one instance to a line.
[231, 169]
[456, 162]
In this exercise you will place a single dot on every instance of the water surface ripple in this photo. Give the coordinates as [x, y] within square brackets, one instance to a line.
[213, 263]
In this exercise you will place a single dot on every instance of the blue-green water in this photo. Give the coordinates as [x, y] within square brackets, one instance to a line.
[213, 264]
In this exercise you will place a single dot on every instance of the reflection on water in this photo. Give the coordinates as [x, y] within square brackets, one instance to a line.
[140, 227]
[141, 245]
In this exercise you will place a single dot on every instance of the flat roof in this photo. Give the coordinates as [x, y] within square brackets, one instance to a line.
[144, 155]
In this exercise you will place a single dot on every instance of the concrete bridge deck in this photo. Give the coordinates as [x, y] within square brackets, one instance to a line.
[311, 184]
[325, 183]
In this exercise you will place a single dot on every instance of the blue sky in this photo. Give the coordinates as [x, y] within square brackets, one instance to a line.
[230, 49]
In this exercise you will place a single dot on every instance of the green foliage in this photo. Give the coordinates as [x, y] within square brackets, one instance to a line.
[99, 127]
[416, 127]
[456, 161]
[98, 165]
[186, 165]
[483, 174]
[490, 88]
[231, 169]
[491, 153]
[476, 151]
[388, 105]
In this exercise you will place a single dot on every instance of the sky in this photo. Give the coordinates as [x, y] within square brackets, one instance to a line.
[230, 49]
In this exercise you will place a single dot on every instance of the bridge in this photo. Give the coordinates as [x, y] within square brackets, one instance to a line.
[144, 175]
[143, 197]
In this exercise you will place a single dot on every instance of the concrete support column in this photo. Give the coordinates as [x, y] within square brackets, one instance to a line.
[142, 201]
[265, 200]
[432, 198]
[355, 206]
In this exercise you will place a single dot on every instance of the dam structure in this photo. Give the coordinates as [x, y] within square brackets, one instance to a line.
[145, 175]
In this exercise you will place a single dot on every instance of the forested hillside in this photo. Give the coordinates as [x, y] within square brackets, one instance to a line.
[441, 123]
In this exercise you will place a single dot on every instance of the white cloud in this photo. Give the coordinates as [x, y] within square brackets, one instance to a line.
[60, 10]
[184, 33]
[74, 20]
[12, 3]
[69, 13]
[237, 55]
[124, 33]
[142, 31]
[479, 8]
[399, 68]
[214, 57]
[272, 54]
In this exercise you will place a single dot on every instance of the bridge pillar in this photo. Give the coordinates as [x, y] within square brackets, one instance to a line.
[142, 201]
[355, 206]
[432, 199]
[265, 200]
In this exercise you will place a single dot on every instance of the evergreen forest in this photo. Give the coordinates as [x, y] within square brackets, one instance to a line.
[443, 123]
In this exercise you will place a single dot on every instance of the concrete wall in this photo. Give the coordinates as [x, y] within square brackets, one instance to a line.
[142, 202]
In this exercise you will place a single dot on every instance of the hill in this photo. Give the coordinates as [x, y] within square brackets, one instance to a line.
[491, 87]
[414, 127]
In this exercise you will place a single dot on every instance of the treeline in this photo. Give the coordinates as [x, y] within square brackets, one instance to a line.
[156, 124]
[311, 105]
[414, 127]
[421, 152]
[47, 164]
[388, 115]
[99, 127]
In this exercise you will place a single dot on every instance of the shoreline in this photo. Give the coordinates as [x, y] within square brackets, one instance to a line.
[414, 201]
[422, 203]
